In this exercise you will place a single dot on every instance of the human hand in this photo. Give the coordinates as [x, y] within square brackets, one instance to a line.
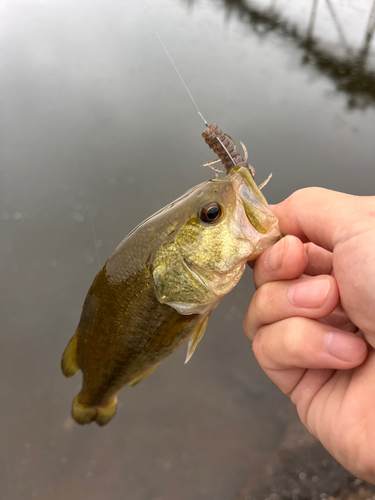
[314, 304]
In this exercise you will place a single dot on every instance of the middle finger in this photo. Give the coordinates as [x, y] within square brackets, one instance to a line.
[312, 297]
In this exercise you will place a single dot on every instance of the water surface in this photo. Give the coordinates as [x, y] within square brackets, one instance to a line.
[97, 133]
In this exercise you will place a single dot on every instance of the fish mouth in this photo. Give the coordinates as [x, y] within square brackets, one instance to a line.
[252, 214]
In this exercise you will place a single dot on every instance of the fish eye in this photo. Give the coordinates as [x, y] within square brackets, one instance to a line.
[211, 213]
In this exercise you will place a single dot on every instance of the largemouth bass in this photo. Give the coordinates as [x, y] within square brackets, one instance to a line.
[158, 288]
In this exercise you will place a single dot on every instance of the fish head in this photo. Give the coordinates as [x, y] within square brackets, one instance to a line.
[226, 222]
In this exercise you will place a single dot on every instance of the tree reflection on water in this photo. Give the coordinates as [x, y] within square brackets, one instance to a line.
[351, 72]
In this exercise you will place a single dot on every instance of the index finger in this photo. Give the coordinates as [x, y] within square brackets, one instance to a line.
[322, 216]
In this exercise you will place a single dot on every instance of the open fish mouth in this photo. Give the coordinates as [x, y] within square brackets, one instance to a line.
[252, 214]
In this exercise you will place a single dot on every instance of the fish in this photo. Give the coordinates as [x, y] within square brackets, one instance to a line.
[159, 286]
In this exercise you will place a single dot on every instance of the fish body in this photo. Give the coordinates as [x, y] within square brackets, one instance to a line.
[158, 288]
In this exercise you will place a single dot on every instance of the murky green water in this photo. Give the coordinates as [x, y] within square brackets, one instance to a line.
[97, 133]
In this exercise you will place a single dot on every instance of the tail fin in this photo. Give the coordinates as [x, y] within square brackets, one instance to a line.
[83, 414]
[69, 363]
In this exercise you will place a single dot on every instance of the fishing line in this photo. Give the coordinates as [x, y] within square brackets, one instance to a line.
[174, 65]
[225, 149]
[184, 84]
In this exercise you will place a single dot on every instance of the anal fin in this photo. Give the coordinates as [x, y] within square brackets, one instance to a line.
[69, 364]
[141, 377]
[196, 337]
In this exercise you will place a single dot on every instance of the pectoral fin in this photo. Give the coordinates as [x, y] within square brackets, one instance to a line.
[196, 337]
[141, 377]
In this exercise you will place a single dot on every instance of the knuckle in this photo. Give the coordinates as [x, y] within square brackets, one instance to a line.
[247, 325]
[301, 194]
[258, 345]
[263, 298]
[281, 344]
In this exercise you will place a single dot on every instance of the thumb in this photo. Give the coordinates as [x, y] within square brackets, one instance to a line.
[325, 217]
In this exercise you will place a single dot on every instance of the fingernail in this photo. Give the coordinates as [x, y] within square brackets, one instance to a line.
[309, 293]
[344, 346]
[275, 256]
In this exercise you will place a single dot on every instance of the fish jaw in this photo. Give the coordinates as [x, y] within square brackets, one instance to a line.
[252, 214]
